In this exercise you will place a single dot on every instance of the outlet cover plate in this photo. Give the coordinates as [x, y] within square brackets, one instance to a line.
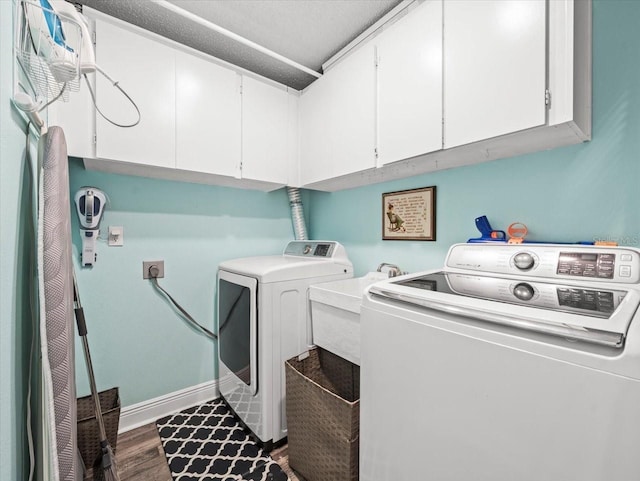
[116, 235]
[147, 264]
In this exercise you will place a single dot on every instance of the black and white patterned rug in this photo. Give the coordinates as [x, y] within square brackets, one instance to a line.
[207, 443]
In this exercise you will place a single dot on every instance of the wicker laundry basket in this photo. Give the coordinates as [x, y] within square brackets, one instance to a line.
[88, 437]
[323, 416]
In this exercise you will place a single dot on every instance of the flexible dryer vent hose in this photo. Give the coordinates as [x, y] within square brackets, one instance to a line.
[297, 214]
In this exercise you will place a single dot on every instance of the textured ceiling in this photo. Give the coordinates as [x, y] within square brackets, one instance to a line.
[306, 31]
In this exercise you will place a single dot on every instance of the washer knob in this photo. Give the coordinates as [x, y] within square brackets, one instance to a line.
[523, 261]
[307, 249]
[523, 291]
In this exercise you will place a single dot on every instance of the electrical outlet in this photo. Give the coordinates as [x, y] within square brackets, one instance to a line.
[116, 235]
[146, 265]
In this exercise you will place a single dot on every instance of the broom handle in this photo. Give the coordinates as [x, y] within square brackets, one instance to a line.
[94, 390]
[82, 330]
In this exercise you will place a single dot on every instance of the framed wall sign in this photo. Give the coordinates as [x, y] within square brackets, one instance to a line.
[409, 214]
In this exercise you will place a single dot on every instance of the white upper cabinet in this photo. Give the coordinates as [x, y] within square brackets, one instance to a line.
[315, 123]
[494, 68]
[447, 83]
[265, 131]
[353, 120]
[77, 118]
[337, 116]
[457, 82]
[409, 73]
[145, 69]
[196, 124]
[208, 117]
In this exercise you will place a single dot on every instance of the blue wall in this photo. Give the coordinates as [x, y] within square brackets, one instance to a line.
[16, 241]
[138, 342]
[570, 194]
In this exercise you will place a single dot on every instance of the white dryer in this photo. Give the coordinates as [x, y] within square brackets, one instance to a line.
[263, 320]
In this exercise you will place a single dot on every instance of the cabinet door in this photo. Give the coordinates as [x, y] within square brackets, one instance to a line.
[208, 117]
[352, 122]
[494, 68]
[265, 122]
[77, 118]
[145, 69]
[315, 122]
[337, 117]
[409, 73]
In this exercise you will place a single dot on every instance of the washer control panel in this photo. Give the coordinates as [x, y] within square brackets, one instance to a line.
[524, 261]
[588, 263]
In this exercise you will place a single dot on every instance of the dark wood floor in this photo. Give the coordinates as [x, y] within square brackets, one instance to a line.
[140, 457]
[281, 457]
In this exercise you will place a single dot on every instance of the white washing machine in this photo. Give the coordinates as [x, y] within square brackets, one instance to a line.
[513, 362]
[263, 320]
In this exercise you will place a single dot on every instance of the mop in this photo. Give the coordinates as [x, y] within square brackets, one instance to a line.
[107, 469]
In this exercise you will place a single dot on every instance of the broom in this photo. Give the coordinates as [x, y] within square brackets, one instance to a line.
[107, 469]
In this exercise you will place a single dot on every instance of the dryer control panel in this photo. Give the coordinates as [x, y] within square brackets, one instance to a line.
[552, 261]
[320, 249]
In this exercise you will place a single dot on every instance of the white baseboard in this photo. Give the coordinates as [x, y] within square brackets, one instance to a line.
[146, 412]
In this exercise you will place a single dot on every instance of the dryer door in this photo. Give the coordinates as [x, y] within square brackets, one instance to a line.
[237, 327]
